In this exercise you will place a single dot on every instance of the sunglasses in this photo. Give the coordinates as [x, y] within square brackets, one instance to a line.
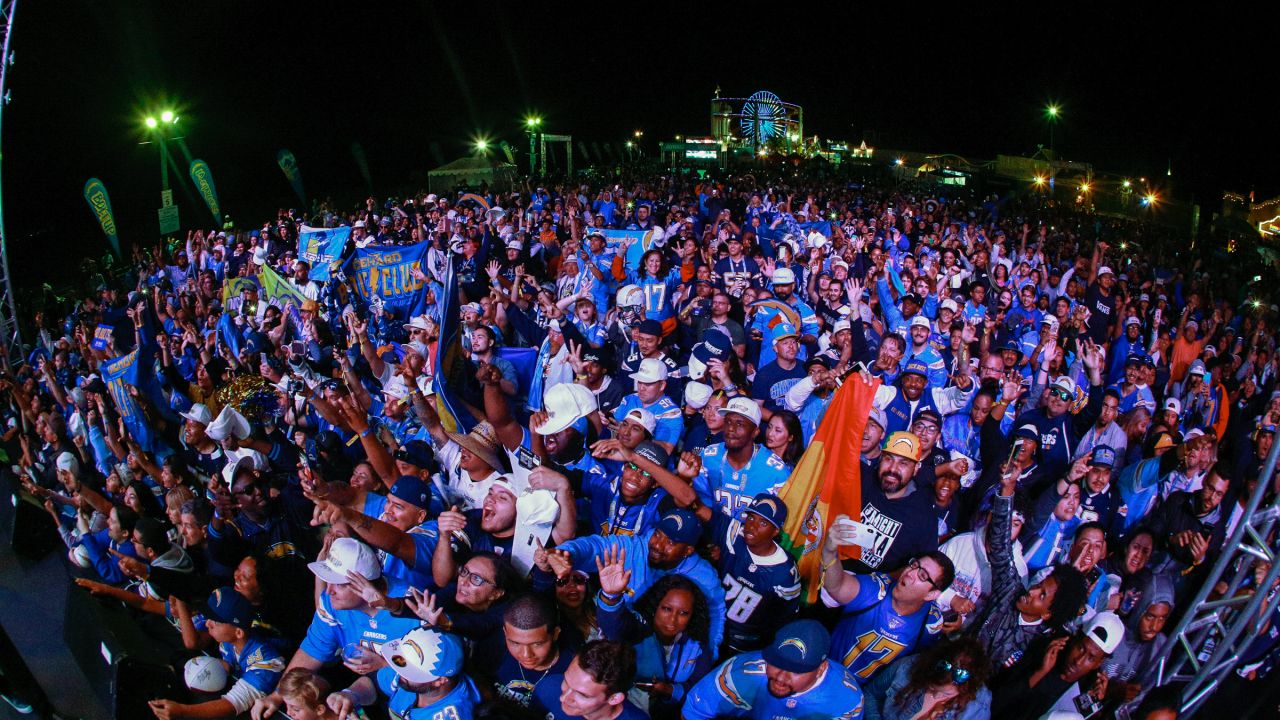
[571, 580]
[635, 467]
[959, 675]
[1061, 394]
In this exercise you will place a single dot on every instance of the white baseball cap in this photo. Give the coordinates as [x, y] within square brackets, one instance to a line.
[919, 321]
[697, 395]
[1106, 629]
[784, 276]
[199, 413]
[566, 404]
[746, 407]
[651, 370]
[1104, 270]
[347, 555]
[1173, 404]
[643, 418]
[396, 388]
[949, 304]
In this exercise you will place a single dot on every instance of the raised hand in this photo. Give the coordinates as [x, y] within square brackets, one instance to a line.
[614, 575]
[423, 604]
[689, 466]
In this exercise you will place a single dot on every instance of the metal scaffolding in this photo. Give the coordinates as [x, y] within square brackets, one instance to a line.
[1207, 642]
[10, 333]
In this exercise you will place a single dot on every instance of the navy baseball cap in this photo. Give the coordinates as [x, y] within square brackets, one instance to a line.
[1103, 456]
[1027, 432]
[681, 526]
[916, 367]
[799, 647]
[416, 453]
[654, 453]
[714, 346]
[768, 506]
[225, 605]
[650, 327]
[412, 489]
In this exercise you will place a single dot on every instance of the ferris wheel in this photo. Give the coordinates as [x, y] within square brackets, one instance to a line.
[764, 116]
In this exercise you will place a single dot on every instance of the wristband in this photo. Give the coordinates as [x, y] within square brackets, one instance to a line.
[366, 432]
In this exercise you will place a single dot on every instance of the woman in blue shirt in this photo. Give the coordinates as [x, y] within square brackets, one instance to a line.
[659, 285]
[669, 627]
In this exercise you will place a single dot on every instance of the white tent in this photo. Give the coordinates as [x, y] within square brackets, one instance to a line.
[470, 171]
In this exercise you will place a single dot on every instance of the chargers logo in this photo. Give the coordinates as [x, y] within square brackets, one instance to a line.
[795, 643]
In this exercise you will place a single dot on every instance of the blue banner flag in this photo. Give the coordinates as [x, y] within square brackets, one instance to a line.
[95, 193]
[322, 249]
[451, 364]
[135, 370]
[641, 243]
[202, 176]
[289, 166]
[101, 337]
[388, 273]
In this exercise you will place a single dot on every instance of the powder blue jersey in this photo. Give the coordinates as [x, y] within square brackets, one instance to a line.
[740, 688]
[259, 664]
[726, 490]
[459, 704]
[872, 634]
[332, 630]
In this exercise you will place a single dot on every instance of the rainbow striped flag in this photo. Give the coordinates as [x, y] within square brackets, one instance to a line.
[827, 481]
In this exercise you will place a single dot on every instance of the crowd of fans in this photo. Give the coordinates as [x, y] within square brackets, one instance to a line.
[1063, 436]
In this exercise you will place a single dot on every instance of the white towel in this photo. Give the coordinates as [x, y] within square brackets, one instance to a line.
[536, 513]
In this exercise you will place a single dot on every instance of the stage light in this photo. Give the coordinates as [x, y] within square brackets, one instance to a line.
[532, 121]
[1126, 183]
[1084, 187]
[898, 161]
[151, 123]
[1052, 110]
[166, 116]
[482, 144]
[1038, 180]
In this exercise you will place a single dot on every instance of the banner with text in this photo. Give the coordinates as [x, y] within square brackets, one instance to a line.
[202, 176]
[322, 249]
[387, 274]
[95, 193]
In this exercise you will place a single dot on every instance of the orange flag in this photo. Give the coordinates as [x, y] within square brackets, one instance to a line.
[827, 481]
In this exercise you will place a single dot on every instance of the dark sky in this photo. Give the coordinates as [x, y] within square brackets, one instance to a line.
[1137, 89]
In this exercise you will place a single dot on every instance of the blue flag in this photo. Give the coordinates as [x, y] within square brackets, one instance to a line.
[388, 274]
[135, 369]
[452, 368]
[322, 248]
[642, 244]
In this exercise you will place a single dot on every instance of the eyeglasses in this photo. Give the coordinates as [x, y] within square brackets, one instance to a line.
[1061, 394]
[915, 565]
[635, 467]
[959, 675]
[473, 578]
[571, 580]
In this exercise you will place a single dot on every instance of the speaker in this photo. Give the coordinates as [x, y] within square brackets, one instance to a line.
[32, 532]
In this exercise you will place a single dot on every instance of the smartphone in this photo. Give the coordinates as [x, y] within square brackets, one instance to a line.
[1013, 451]
[526, 458]
[864, 535]
[297, 347]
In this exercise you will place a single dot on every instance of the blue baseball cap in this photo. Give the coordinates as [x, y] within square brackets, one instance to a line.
[417, 453]
[681, 526]
[412, 489]
[714, 346]
[1103, 456]
[225, 605]
[916, 367]
[649, 326]
[768, 506]
[782, 331]
[799, 647]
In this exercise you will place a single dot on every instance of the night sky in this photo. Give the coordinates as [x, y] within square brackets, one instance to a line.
[1137, 89]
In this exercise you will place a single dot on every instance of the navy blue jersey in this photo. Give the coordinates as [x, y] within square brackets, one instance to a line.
[515, 684]
[761, 594]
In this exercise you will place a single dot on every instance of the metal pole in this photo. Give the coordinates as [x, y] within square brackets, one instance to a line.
[12, 333]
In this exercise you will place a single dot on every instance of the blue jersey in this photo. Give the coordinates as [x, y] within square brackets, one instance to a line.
[1140, 396]
[871, 634]
[768, 314]
[459, 704]
[512, 682]
[670, 420]
[332, 630]
[658, 294]
[728, 490]
[611, 516]
[761, 593]
[740, 688]
[258, 664]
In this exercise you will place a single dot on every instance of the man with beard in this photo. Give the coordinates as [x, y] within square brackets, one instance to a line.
[1191, 526]
[790, 678]
[899, 514]
[650, 381]
[1100, 499]
[668, 549]
[922, 350]
[786, 306]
